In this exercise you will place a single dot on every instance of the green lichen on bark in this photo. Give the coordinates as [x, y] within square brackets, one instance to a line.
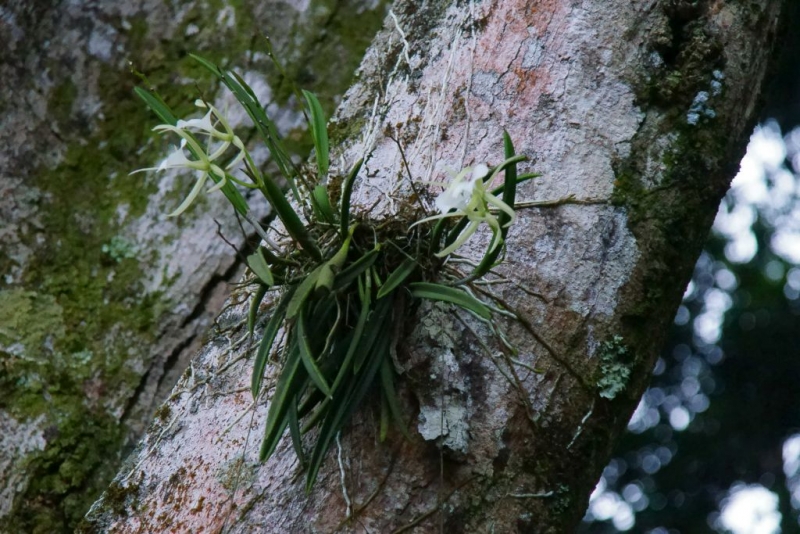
[614, 368]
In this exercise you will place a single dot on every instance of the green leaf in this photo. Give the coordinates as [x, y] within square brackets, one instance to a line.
[436, 236]
[288, 216]
[389, 394]
[294, 431]
[264, 348]
[375, 329]
[267, 448]
[258, 264]
[426, 290]
[258, 296]
[384, 428]
[319, 132]
[510, 180]
[244, 85]
[398, 277]
[326, 271]
[358, 331]
[208, 65]
[308, 357]
[347, 192]
[303, 291]
[159, 107]
[322, 204]
[344, 403]
[350, 273]
[290, 383]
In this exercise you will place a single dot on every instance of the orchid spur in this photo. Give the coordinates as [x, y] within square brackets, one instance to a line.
[468, 196]
[188, 130]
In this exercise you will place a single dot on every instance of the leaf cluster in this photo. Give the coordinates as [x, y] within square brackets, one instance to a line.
[343, 286]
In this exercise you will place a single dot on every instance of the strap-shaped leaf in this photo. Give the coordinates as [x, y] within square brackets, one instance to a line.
[358, 331]
[427, 290]
[261, 291]
[510, 180]
[258, 264]
[436, 236]
[384, 427]
[264, 348]
[376, 328]
[319, 132]
[285, 212]
[349, 274]
[333, 265]
[390, 395]
[344, 403]
[292, 380]
[159, 107]
[347, 192]
[322, 204]
[294, 432]
[397, 277]
[308, 357]
[244, 85]
[303, 290]
[266, 451]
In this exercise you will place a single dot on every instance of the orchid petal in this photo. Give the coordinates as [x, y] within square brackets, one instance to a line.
[457, 196]
[219, 151]
[185, 136]
[238, 159]
[462, 238]
[502, 206]
[437, 217]
[198, 186]
[219, 185]
[479, 171]
[204, 124]
[143, 170]
[176, 159]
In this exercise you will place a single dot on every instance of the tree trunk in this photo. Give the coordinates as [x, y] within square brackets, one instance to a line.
[636, 114]
[103, 298]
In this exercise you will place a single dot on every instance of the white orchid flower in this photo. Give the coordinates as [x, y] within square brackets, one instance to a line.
[466, 196]
[188, 130]
[459, 193]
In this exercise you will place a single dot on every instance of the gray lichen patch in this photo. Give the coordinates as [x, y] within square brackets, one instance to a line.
[450, 422]
[18, 440]
[444, 393]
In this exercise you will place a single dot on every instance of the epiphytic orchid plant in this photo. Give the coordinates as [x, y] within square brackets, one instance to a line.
[341, 282]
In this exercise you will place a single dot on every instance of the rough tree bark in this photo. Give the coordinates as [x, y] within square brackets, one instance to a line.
[103, 298]
[638, 111]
